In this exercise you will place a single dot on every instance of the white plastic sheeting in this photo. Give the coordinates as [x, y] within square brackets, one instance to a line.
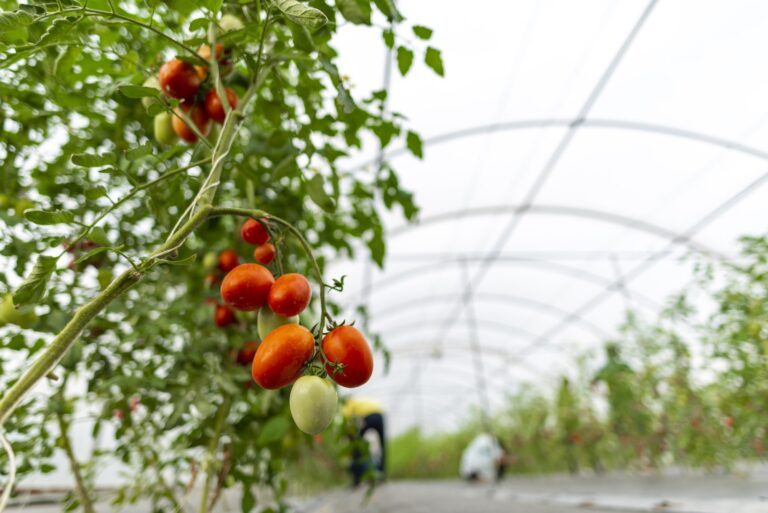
[632, 128]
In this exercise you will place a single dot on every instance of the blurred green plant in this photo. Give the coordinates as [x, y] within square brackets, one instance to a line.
[688, 389]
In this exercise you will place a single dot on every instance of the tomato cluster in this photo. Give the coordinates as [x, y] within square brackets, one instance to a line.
[287, 350]
[200, 101]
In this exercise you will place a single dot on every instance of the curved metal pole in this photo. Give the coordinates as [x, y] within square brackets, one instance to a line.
[505, 299]
[551, 267]
[561, 210]
[600, 123]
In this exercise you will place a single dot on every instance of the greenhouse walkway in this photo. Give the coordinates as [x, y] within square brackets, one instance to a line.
[562, 494]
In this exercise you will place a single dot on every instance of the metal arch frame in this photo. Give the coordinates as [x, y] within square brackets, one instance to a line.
[599, 123]
[504, 299]
[562, 210]
[551, 267]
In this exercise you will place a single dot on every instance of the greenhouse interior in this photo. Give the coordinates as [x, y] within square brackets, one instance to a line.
[383, 256]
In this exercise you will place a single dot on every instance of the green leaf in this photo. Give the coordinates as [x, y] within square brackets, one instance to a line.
[90, 160]
[316, 190]
[96, 251]
[13, 25]
[198, 24]
[387, 7]
[389, 38]
[273, 430]
[434, 60]
[99, 236]
[404, 59]
[302, 14]
[96, 192]
[49, 217]
[33, 288]
[136, 91]
[141, 151]
[422, 32]
[155, 109]
[355, 11]
[377, 246]
[415, 146]
[248, 501]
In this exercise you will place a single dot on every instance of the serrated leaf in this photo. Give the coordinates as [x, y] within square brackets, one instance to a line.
[273, 430]
[46, 217]
[355, 11]
[137, 91]
[33, 288]
[316, 190]
[96, 192]
[415, 146]
[434, 60]
[422, 32]
[13, 25]
[302, 14]
[90, 160]
[404, 59]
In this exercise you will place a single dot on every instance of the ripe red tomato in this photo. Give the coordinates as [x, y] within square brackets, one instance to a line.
[228, 260]
[199, 117]
[225, 67]
[264, 254]
[246, 286]
[179, 79]
[347, 346]
[289, 295]
[282, 355]
[223, 316]
[253, 232]
[213, 105]
[246, 354]
[728, 421]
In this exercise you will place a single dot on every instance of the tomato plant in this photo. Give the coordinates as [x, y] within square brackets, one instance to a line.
[91, 93]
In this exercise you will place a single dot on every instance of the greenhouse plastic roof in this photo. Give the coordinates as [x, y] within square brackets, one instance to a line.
[575, 152]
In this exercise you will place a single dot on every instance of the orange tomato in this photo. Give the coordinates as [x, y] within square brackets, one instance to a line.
[246, 286]
[347, 346]
[281, 356]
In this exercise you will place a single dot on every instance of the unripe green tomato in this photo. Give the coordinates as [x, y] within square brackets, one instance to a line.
[153, 82]
[230, 22]
[164, 129]
[313, 403]
[210, 260]
[22, 205]
[23, 317]
[5, 201]
[269, 320]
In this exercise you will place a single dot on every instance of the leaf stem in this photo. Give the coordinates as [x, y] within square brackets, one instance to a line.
[109, 14]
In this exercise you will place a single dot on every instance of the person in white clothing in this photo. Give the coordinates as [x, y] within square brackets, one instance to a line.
[482, 458]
